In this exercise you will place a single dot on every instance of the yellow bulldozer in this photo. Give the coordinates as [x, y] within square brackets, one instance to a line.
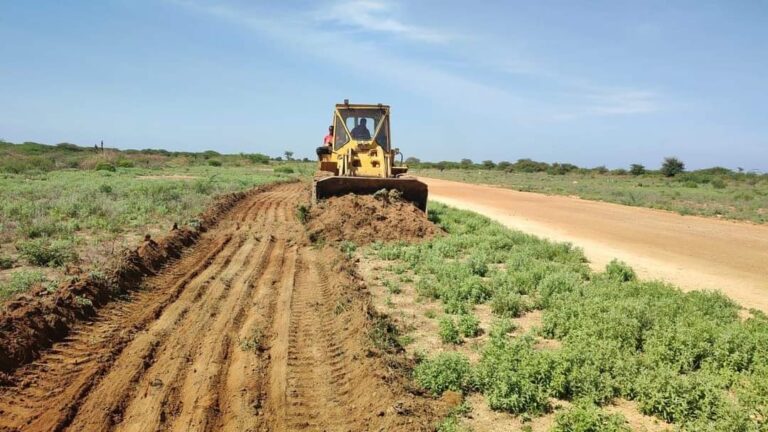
[359, 158]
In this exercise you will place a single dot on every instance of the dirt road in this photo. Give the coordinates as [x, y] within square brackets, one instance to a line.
[252, 329]
[691, 252]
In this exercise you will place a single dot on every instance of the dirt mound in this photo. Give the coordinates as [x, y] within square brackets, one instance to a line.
[364, 219]
[32, 321]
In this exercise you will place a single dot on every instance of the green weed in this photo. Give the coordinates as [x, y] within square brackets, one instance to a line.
[446, 371]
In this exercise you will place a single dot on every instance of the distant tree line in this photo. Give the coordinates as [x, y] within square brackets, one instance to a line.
[670, 167]
[37, 157]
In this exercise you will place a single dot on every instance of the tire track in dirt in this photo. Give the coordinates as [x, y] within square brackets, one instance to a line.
[252, 329]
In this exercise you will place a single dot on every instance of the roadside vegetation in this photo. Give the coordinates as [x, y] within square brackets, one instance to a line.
[695, 360]
[714, 192]
[67, 205]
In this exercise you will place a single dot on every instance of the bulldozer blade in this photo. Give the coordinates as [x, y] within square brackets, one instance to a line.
[412, 189]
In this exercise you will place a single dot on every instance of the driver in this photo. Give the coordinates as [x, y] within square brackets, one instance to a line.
[360, 131]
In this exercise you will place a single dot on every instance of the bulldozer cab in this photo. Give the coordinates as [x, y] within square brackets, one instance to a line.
[366, 126]
[361, 159]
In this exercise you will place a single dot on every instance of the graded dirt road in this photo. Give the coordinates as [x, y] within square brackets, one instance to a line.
[691, 252]
[252, 328]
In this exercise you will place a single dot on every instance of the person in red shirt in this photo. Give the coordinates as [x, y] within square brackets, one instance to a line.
[327, 147]
[328, 140]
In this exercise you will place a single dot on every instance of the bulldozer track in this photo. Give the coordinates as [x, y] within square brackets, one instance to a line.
[240, 333]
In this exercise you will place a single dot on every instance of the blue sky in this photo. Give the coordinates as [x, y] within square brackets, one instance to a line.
[592, 83]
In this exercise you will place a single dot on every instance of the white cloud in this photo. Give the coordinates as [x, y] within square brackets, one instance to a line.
[325, 33]
[613, 102]
[376, 16]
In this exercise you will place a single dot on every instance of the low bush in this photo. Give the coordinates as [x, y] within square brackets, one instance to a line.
[105, 166]
[508, 304]
[449, 332]
[620, 271]
[284, 170]
[718, 183]
[21, 281]
[469, 325]
[44, 252]
[6, 262]
[514, 377]
[589, 418]
[214, 162]
[125, 163]
[678, 398]
[446, 371]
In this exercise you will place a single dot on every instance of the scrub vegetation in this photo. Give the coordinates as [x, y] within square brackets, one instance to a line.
[68, 205]
[695, 359]
[714, 192]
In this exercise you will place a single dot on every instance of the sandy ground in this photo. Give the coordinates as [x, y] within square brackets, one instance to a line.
[689, 251]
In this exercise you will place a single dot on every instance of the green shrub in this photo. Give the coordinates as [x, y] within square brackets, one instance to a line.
[348, 248]
[302, 213]
[44, 228]
[589, 418]
[620, 271]
[105, 166]
[6, 262]
[105, 188]
[469, 325]
[558, 283]
[500, 328]
[125, 163]
[21, 281]
[43, 252]
[449, 333]
[678, 398]
[284, 170]
[258, 158]
[718, 183]
[446, 371]
[514, 377]
[594, 371]
[478, 265]
[214, 162]
[508, 304]
[637, 169]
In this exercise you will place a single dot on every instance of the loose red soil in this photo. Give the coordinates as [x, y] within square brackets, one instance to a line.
[365, 219]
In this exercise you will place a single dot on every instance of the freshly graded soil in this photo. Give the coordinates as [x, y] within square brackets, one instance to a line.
[366, 219]
[251, 328]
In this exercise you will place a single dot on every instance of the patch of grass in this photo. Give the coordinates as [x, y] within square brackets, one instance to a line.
[20, 281]
[619, 271]
[449, 332]
[446, 371]
[254, 342]
[302, 213]
[348, 248]
[284, 170]
[391, 286]
[468, 325]
[6, 262]
[46, 253]
[687, 358]
[589, 418]
[105, 166]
